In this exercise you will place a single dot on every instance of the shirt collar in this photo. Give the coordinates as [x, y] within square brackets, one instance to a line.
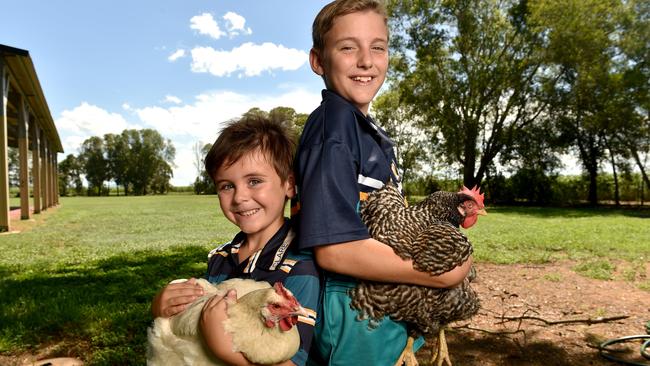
[380, 135]
[269, 257]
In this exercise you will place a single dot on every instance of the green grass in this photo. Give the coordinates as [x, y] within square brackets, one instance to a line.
[83, 276]
[539, 235]
[80, 278]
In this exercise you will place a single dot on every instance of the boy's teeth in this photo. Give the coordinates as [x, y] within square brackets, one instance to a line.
[248, 213]
[362, 78]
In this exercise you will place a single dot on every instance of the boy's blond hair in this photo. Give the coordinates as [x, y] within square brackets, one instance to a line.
[325, 18]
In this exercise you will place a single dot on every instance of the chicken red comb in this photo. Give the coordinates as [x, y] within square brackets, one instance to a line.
[475, 193]
[282, 291]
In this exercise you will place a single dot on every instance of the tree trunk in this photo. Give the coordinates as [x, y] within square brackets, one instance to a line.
[617, 196]
[635, 154]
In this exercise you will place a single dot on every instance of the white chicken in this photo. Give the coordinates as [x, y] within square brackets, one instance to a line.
[261, 323]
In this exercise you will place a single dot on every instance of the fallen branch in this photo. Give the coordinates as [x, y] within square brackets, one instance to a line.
[493, 332]
[588, 321]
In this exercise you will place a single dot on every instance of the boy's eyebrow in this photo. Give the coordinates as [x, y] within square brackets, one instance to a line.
[355, 39]
[249, 175]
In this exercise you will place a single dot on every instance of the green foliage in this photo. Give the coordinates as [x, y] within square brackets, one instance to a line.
[70, 176]
[139, 160]
[514, 84]
[469, 73]
[93, 162]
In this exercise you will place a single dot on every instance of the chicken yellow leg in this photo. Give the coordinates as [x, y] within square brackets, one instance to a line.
[407, 357]
[441, 353]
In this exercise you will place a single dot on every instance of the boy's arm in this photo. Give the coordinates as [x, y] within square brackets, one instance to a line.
[175, 297]
[369, 259]
[215, 336]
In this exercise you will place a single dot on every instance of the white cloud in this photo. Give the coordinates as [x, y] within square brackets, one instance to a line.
[202, 120]
[176, 55]
[236, 24]
[206, 24]
[183, 124]
[172, 99]
[249, 58]
[85, 121]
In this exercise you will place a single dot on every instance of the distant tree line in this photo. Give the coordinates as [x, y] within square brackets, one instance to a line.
[489, 91]
[140, 161]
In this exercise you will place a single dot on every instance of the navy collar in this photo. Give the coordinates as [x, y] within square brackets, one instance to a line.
[269, 257]
[366, 120]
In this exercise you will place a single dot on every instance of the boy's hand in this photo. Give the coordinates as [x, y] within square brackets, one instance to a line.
[216, 338]
[175, 297]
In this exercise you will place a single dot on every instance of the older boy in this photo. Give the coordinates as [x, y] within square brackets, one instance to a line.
[342, 156]
[251, 165]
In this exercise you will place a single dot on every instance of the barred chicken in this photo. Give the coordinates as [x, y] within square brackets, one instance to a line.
[261, 322]
[428, 234]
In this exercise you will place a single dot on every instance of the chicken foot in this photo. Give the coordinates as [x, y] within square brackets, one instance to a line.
[441, 354]
[407, 357]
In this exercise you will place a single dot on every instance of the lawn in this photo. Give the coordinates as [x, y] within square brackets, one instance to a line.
[79, 278]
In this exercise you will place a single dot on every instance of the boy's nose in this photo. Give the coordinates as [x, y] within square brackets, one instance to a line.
[241, 195]
[365, 59]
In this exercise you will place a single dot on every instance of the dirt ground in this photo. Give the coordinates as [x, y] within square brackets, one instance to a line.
[552, 292]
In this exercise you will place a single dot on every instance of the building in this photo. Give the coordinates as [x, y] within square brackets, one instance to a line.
[26, 124]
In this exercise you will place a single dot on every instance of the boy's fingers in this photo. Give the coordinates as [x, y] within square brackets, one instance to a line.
[214, 302]
[173, 310]
[185, 290]
[182, 300]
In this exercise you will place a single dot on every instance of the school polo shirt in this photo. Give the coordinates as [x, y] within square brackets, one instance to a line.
[278, 261]
[341, 157]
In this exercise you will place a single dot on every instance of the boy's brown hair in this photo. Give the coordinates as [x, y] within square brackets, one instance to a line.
[274, 139]
[325, 18]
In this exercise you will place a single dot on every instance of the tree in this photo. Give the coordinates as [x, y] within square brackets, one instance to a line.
[150, 156]
[203, 184]
[13, 166]
[117, 156]
[584, 45]
[410, 143]
[70, 175]
[93, 163]
[473, 72]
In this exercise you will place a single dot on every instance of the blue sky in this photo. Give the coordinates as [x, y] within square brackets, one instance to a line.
[178, 66]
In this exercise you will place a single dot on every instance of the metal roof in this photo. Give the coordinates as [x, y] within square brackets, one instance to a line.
[24, 78]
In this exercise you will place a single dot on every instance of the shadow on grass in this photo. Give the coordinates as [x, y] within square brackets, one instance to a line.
[103, 305]
[571, 212]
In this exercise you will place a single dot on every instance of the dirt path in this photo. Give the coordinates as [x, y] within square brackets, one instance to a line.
[552, 292]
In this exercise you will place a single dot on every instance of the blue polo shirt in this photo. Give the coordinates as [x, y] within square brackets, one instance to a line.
[279, 261]
[341, 157]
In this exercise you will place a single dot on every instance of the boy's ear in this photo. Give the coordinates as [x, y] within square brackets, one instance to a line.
[316, 62]
[290, 186]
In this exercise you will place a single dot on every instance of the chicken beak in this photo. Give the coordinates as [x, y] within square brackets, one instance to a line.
[299, 310]
[481, 212]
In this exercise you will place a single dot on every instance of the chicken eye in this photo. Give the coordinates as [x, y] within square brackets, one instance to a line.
[275, 306]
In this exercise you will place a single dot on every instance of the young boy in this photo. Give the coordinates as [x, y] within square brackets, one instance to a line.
[251, 165]
[342, 156]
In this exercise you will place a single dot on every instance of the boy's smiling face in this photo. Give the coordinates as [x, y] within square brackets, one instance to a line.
[354, 60]
[252, 196]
